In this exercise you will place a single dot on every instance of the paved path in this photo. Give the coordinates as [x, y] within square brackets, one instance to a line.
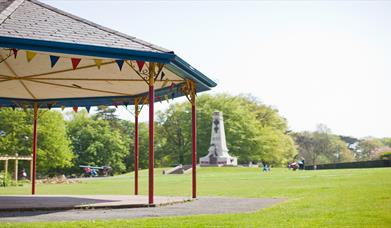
[62, 202]
[203, 205]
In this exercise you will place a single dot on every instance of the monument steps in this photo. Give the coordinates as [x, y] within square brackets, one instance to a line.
[180, 169]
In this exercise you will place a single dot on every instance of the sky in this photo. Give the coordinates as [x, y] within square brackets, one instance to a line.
[316, 62]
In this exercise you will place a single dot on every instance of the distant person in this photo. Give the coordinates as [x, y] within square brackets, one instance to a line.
[294, 166]
[23, 173]
[301, 165]
[266, 167]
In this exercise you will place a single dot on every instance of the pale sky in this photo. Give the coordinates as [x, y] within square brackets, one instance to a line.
[315, 61]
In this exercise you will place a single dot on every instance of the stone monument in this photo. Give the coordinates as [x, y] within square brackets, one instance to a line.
[218, 151]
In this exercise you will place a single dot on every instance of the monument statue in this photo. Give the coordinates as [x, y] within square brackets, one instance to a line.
[218, 151]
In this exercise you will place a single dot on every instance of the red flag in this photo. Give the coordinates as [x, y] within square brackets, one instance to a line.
[75, 62]
[75, 109]
[140, 65]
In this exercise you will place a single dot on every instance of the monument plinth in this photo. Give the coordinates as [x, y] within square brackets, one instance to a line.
[218, 151]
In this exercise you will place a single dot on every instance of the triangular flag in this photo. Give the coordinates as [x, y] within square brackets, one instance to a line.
[140, 64]
[88, 108]
[24, 107]
[172, 86]
[13, 107]
[98, 63]
[15, 51]
[159, 99]
[30, 55]
[166, 98]
[116, 105]
[75, 62]
[53, 60]
[172, 96]
[126, 103]
[162, 75]
[75, 108]
[49, 106]
[62, 107]
[165, 83]
[145, 100]
[120, 63]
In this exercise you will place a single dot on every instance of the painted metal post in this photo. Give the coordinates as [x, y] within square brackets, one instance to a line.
[34, 148]
[194, 144]
[136, 112]
[151, 134]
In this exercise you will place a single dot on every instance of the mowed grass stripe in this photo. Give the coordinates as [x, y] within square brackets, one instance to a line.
[322, 198]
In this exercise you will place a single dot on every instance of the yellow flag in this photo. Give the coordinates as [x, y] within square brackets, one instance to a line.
[165, 83]
[62, 107]
[30, 55]
[145, 101]
[98, 62]
[166, 98]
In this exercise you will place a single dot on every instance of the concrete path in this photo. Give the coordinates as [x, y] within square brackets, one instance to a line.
[203, 205]
[62, 202]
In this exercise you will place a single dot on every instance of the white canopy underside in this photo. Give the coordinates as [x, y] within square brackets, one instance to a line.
[20, 79]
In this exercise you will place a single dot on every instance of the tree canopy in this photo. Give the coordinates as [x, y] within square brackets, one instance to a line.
[254, 131]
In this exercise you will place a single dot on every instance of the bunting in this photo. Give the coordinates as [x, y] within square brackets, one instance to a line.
[75, 62]
[75, 108]
[62, 107]
[49, 106]
[88, 108]
[24, 107]
[165, 82]
[145, 100]
[30, 55]
[98, 63]
[172, 86]
[140, 65]
[53, 60]
[166, 98]
[120, 63]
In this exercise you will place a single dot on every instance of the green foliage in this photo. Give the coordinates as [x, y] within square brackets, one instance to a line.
[367, 147]
[95, 143]
[386, 141]
[385, 155]
[54, 152]
[322, 147]
[254, 131]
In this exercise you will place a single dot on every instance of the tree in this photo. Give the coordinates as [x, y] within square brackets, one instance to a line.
[54, 153]
[367, 147]
[254, 131]
[322, 146]
[94, 142]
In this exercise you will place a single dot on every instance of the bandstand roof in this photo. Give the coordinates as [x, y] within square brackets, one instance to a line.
[58, 59]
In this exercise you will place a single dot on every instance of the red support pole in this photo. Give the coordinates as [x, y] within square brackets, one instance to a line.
[34, 149]
[151, 140]
[194, 147]
[136, 150]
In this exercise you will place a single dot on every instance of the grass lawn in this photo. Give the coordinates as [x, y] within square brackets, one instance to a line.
[323, 198]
